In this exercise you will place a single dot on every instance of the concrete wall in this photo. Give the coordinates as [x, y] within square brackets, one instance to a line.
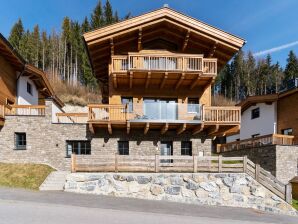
[281, 161]
[46, 141]
[24, 98]
[236, 190]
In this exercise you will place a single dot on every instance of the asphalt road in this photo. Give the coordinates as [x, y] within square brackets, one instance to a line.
[22, 206]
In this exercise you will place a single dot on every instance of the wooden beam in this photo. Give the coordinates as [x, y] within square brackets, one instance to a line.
[110, 128]
[212, 50]
[115, 81]
[148, 80]
[213, 129]
[128, 127]
[195, 81]
[140, 40]
[130, 79]
[185, 43]
[112, 46]
[91, 128]
[164, 128]
[181, 129]
[146, 129]
[198, 129]
[182, 77]
[163, 82]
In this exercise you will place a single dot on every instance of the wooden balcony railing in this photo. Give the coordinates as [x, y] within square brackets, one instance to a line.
[108, 112]
[69, 118]
[272, 139]
[26, 110]
[172, 62]
[221, 114]
[216, 115]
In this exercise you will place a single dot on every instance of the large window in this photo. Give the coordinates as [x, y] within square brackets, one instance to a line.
[255, 113]
[123, 147]
[29, 88]
[186, 148]
[193, 105]
[129, 102]
[288, 131]
[20, 141]
[78, 147]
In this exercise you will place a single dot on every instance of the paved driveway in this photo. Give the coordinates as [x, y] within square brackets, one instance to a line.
[21, 206]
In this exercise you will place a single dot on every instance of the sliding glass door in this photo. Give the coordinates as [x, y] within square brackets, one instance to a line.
[161, 109]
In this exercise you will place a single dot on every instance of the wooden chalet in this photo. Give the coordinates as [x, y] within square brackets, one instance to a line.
[156, 71]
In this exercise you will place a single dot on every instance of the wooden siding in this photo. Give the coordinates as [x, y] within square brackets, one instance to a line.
[8, 80]
[287, 113]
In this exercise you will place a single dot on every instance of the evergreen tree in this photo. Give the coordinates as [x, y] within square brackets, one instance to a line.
[16, 34]
[97, 17]
[36, 46]
[291, 70]
[85, 27]
[108, 13]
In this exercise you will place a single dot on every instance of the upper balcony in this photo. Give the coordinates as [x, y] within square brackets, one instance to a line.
[162, 69]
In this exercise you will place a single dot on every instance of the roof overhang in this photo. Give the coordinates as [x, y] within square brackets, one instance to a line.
[252, 100]
[166, 24]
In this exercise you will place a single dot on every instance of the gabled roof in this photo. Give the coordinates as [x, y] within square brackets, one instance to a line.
[164, 23]
[269, 98]
[19, 64]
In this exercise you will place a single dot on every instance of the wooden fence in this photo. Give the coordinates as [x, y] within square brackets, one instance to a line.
[272, 139]
[159, 164]
[26, 110]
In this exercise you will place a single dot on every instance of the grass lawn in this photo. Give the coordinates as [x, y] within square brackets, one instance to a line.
[28, 176]
[295, 204]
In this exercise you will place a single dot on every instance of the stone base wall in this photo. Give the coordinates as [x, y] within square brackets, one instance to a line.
[280, 160]
[46, 141]
[236, 190]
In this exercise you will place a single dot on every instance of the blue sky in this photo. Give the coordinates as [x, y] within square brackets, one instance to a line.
[265, 24]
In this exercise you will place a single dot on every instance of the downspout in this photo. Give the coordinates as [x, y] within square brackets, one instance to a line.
[22, 73]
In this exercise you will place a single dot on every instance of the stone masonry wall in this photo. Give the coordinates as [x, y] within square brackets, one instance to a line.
[46, 141]
[237, 190]
[280, 160]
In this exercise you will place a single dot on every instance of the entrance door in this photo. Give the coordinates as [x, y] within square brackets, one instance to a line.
[166, 149]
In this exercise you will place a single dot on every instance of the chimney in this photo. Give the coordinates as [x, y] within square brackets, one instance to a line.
[166, 5]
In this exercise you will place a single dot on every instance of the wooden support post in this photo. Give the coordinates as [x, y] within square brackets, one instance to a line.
[195, 163]
[244, 164]
[257, 174]
[288, 193]
[148, 80]
[156, 163]
[220, 163]
[116, 162]
[163, 82]
[73, 162]
[130, 79]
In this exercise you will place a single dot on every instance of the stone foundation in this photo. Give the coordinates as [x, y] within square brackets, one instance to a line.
[46, 141]
[280, 160]
[236, 190]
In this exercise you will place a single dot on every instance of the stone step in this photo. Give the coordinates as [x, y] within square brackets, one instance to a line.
[54, 182]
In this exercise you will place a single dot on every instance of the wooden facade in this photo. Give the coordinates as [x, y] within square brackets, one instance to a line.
[12, 67]
[162, 57]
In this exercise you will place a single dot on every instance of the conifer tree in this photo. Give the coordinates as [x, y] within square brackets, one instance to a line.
[108, 13]
[16, 34]
[97, 17]
[291, 70]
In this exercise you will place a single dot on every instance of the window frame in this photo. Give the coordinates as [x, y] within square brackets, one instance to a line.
[287, 129]
[86, 149]
[29, 88]
[253, 114]
[121, 149]
[191, 107]
[16, 140]
[184, 149]
[129, 104]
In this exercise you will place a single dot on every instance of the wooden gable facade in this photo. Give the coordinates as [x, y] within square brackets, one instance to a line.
[163, 56]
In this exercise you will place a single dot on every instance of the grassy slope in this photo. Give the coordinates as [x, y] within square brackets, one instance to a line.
[295, 204]
[28, 176]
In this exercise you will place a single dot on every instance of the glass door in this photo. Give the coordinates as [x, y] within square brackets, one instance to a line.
[161, 109]
[166, 149]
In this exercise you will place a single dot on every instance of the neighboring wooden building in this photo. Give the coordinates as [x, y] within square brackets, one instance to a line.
[269, 114]
[23, 87]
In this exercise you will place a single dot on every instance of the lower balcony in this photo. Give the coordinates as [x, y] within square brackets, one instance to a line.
[166, 116]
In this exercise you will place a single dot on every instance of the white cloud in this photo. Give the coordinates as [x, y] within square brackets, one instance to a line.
[275, 49]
